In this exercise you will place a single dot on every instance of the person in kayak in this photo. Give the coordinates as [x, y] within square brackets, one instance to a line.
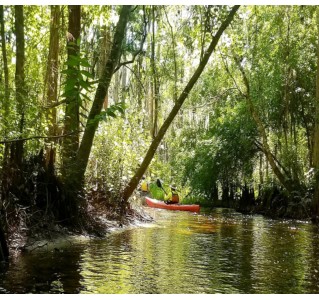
[172, 197]
[144, 185]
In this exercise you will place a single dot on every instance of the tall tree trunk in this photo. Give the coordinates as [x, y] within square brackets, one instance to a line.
[5, 105]
[141, 94]
[74, 180]
[72, 109]
[123, 82]
[20, 80]
[51, 78]
[155, 83]
[315, 200]
[104, 49]
[51, 82]
[178, 104]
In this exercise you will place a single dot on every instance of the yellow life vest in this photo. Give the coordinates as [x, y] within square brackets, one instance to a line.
[144, 186]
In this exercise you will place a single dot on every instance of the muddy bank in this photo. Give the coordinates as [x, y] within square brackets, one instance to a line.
[49, 234]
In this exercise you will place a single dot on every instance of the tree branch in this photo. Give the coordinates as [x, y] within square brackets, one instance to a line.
[39, 137]
[230, 74]
[261, 148]
[55, 104]
[137, 52]
[137, 77]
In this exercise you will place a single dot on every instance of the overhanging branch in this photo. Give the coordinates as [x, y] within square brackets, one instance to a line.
[38, 137]
[137, 52]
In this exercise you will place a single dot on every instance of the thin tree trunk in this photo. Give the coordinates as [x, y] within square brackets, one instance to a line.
[5, 104]
[51, 83]
[140, 87]
[116, 89]
[261, 176]
[6, 73]
[315, 200]
[104, 50]
[51, 78]
[123, 82]
[156, 141]
[19, 83]
[155, 83]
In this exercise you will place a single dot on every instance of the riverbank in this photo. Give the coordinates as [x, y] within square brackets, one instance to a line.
[36, 231]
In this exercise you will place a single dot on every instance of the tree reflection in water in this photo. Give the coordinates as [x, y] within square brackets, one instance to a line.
[219, 251]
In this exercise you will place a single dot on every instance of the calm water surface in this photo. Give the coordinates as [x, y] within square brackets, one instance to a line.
[218, 251]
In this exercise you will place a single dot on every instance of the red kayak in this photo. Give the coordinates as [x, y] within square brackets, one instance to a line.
[161, 204]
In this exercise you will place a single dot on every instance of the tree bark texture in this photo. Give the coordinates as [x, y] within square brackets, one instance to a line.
[155, 80]
[315, 200]
[5, 104]
[72, 109]
[51, 78]
[6, 72]
[156, 141]
[20, 79]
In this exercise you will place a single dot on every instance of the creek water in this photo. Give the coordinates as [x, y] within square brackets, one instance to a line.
[216, 251]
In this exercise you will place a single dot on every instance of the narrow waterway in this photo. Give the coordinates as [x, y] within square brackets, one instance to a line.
[217, 251]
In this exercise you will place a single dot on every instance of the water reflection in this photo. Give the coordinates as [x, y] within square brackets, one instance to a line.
[219, 251]
[43, 272]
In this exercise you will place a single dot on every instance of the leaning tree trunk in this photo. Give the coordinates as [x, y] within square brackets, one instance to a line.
[75, 176]
[315, 200]
[156, 141]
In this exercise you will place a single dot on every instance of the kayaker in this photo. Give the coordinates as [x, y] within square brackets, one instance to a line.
[172, 197]
[144, 185]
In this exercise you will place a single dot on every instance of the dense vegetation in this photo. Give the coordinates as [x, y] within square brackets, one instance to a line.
[222, 101]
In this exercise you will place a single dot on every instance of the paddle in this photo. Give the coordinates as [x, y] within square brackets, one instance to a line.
[159, 184]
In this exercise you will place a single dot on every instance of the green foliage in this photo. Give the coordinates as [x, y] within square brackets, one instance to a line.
[77, 79]
[214, 139]
[220, 143]
[113, 111]
[118, 148]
